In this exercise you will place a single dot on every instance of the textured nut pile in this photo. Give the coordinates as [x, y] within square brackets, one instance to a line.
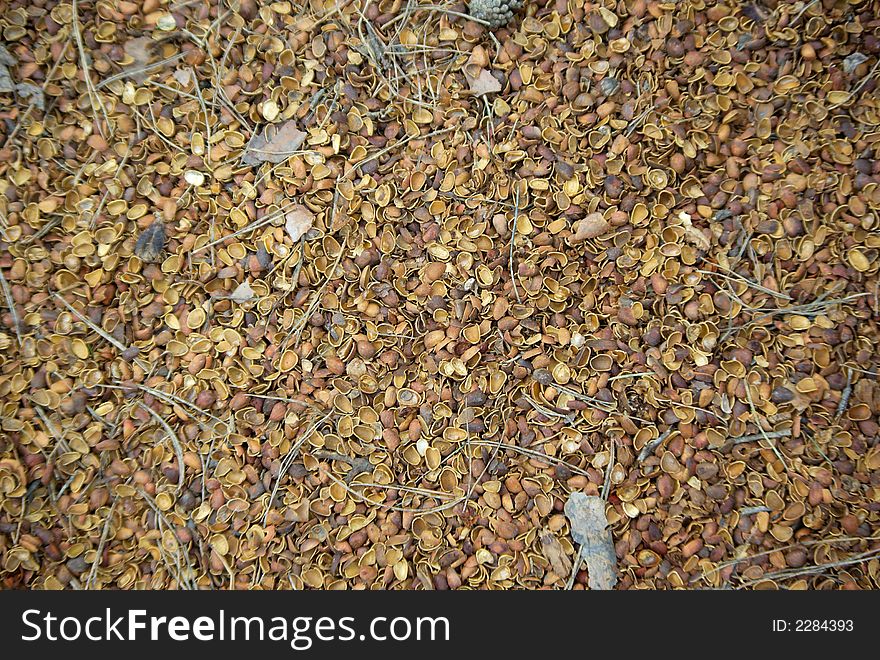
[497, 13]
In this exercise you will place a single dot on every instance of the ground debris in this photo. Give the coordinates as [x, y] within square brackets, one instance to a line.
[408, 286]
[589, 528]
[275, 144]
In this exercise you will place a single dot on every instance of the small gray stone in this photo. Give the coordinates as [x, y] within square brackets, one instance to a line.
[609, 85]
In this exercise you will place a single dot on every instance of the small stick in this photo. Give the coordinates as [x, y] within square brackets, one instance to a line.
[844, 398]
[399, 143]
[93, 573]
[288, 460]
[801, 12]
[16, 321]
[205, 111]
[32, 105]
[749, 510]
[745, 280]
[137, 137]
[532, 454]
[144, 69]
[512, 241]
[265, 220]
[651, 445]
[761, 428]
[100, 331]
[172, 436]
[94, 99]
[766, 435]
[607, 485]
[576, 566]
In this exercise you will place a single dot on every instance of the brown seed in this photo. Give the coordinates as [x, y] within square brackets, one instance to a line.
[665, 485]
[692, 547]
[279, 410]
[365, 348]
[434, 271]
[850, 524]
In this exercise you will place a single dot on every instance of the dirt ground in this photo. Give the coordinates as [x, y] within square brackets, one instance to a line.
[349, 294]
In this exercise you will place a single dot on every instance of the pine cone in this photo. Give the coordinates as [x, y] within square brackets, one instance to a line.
[497, 13]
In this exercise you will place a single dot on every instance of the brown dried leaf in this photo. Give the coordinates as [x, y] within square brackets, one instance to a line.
[589, 528]
[590, 226]
[555, 554]
[483, 83]
[298, 222]
[273, 145]
[151, 242]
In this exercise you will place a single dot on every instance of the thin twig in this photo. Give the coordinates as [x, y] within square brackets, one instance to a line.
[575, 568]
[144, 69]
[94, 98]
[651, 445]
[20, 122]
[512, 241]
[606, 486]
[766, 435]
[789, 573]
[399, 143]
[175, 442]
[764, 553]
[96, 329]
[744, 280]
[844, 397]
[265, 220]
[532, 454]
[10, 303]
[758, 424]
[288, 461]
[93, 573]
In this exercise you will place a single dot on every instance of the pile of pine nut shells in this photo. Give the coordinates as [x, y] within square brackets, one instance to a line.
[352, 294]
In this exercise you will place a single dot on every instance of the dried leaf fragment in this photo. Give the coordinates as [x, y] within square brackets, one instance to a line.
[6, 84]
[273, 145]
[139, 49]
[483, 83]
[297, 222]
[852, 62]
[6, 60]
[243, 293]
[555, 554]
[32, 92]
[590, 226]
[692, 234]
[589, 528]
[151, 242]
[183, 76]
